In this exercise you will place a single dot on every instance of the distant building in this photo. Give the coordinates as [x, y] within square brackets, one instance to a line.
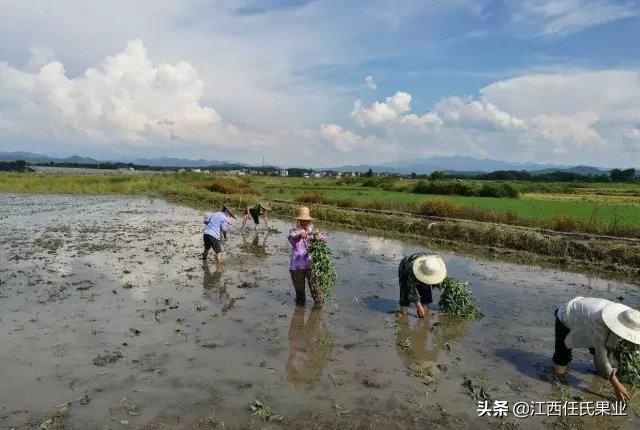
[284, 172]
[196, 170]
[242, 173]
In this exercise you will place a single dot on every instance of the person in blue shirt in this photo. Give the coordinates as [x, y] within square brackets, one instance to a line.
[215, 228]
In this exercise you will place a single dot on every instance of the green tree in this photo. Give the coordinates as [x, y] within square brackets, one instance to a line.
[627, 175]
[436, 175]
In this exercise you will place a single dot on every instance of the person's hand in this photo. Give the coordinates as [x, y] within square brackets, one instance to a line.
[421, 310]
[303, 233]
[621, 391]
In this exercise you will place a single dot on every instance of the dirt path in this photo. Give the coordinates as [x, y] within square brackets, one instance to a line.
[108, 319]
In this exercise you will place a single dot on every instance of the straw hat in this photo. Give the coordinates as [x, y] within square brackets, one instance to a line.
[623, 321]
[303, 214]
[429, 269]
[226, 209]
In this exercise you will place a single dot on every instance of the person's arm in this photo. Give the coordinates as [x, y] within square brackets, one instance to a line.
[295, 234]
[606, 370]
[206, 219]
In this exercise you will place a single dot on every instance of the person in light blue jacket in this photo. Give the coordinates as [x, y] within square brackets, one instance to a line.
[215, 228]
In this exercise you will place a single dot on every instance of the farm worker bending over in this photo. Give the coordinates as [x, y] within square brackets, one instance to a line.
[300, 263]
[254, 212]
[599, 325]
[419, 272]
[215, 227]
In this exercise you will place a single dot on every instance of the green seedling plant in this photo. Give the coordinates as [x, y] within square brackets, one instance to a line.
[263, 412]
[323, 272]
[457, 299]
[628, 356]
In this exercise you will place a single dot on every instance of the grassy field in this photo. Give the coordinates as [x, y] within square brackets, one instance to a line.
[611, 209]
[401, 216]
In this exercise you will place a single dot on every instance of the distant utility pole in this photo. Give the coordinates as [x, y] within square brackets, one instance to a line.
[263, 161]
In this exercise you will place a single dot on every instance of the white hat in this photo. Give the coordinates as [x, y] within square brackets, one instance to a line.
[623, 321]
[429, 269]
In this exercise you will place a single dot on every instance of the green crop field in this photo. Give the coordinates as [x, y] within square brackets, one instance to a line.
[588, 207]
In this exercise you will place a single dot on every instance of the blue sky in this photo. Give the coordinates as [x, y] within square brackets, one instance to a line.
[323, 82]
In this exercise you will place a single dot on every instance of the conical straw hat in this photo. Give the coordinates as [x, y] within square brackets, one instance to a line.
[429, 269]
[303, 214]
[623, 321]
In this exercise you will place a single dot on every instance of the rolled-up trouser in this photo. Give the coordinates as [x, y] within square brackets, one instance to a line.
[298, 277]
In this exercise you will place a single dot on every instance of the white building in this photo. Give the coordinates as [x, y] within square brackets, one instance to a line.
[284, 172]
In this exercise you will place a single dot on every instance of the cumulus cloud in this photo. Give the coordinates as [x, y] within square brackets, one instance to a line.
[455, 111]
[370, 83]
[344, 140]
[126, 99]
[392, 111]
[566, 117]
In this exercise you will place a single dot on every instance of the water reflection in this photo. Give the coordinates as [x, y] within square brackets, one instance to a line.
[419, 346]
[309, 345]
[211, 283]
[256, 246]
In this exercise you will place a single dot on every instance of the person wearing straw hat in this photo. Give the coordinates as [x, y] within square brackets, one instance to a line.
[299, 267]
[599, 325]
[215, 228]
[255, 212]
[419, 272]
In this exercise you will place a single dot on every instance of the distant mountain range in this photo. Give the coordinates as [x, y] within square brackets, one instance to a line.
[457, 164]
[31, 157]
[466, 164]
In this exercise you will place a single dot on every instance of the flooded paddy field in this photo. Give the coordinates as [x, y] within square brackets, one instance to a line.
[109, 319]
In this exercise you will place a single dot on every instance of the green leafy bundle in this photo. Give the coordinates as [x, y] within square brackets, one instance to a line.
[628, 356]
[457, 299]
[323, 272]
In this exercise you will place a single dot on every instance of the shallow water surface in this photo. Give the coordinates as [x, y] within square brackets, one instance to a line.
[109, 319]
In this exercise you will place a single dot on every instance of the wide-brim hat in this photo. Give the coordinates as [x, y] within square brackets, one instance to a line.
[623, 321]
[429, 269]
[304, 214]
[226, 209]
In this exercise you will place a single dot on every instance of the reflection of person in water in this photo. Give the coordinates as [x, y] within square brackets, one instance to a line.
[412, 344]
[255, 247]
[211, 282]
[309, 347]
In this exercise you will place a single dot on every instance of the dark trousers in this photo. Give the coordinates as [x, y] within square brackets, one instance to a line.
[298, 278]
[210, 242]
[562, 355]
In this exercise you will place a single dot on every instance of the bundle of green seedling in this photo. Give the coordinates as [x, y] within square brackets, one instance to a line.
[628, 356]
[457, 299]
[323, 272]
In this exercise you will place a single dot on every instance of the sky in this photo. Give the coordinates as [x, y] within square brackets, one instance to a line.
[323, 82]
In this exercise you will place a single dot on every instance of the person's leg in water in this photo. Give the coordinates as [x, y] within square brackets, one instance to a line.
[405, 300]
[245, 217]
[217, 248]
[562, 355]
[297, 277]
[207, 246]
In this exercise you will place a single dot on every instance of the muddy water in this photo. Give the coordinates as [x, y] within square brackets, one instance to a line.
[108, 319]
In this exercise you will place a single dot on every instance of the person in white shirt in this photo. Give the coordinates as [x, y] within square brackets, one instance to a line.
[215, 227]
[599, 325]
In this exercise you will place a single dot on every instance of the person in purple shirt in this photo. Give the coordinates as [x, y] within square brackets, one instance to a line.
[299, 267]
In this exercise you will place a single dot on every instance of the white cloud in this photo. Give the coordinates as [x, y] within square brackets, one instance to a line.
[392, 111]
[561, 17]
[126, 99]
[344, 140]
[580, 117]
[455, 111]
[370, 83]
